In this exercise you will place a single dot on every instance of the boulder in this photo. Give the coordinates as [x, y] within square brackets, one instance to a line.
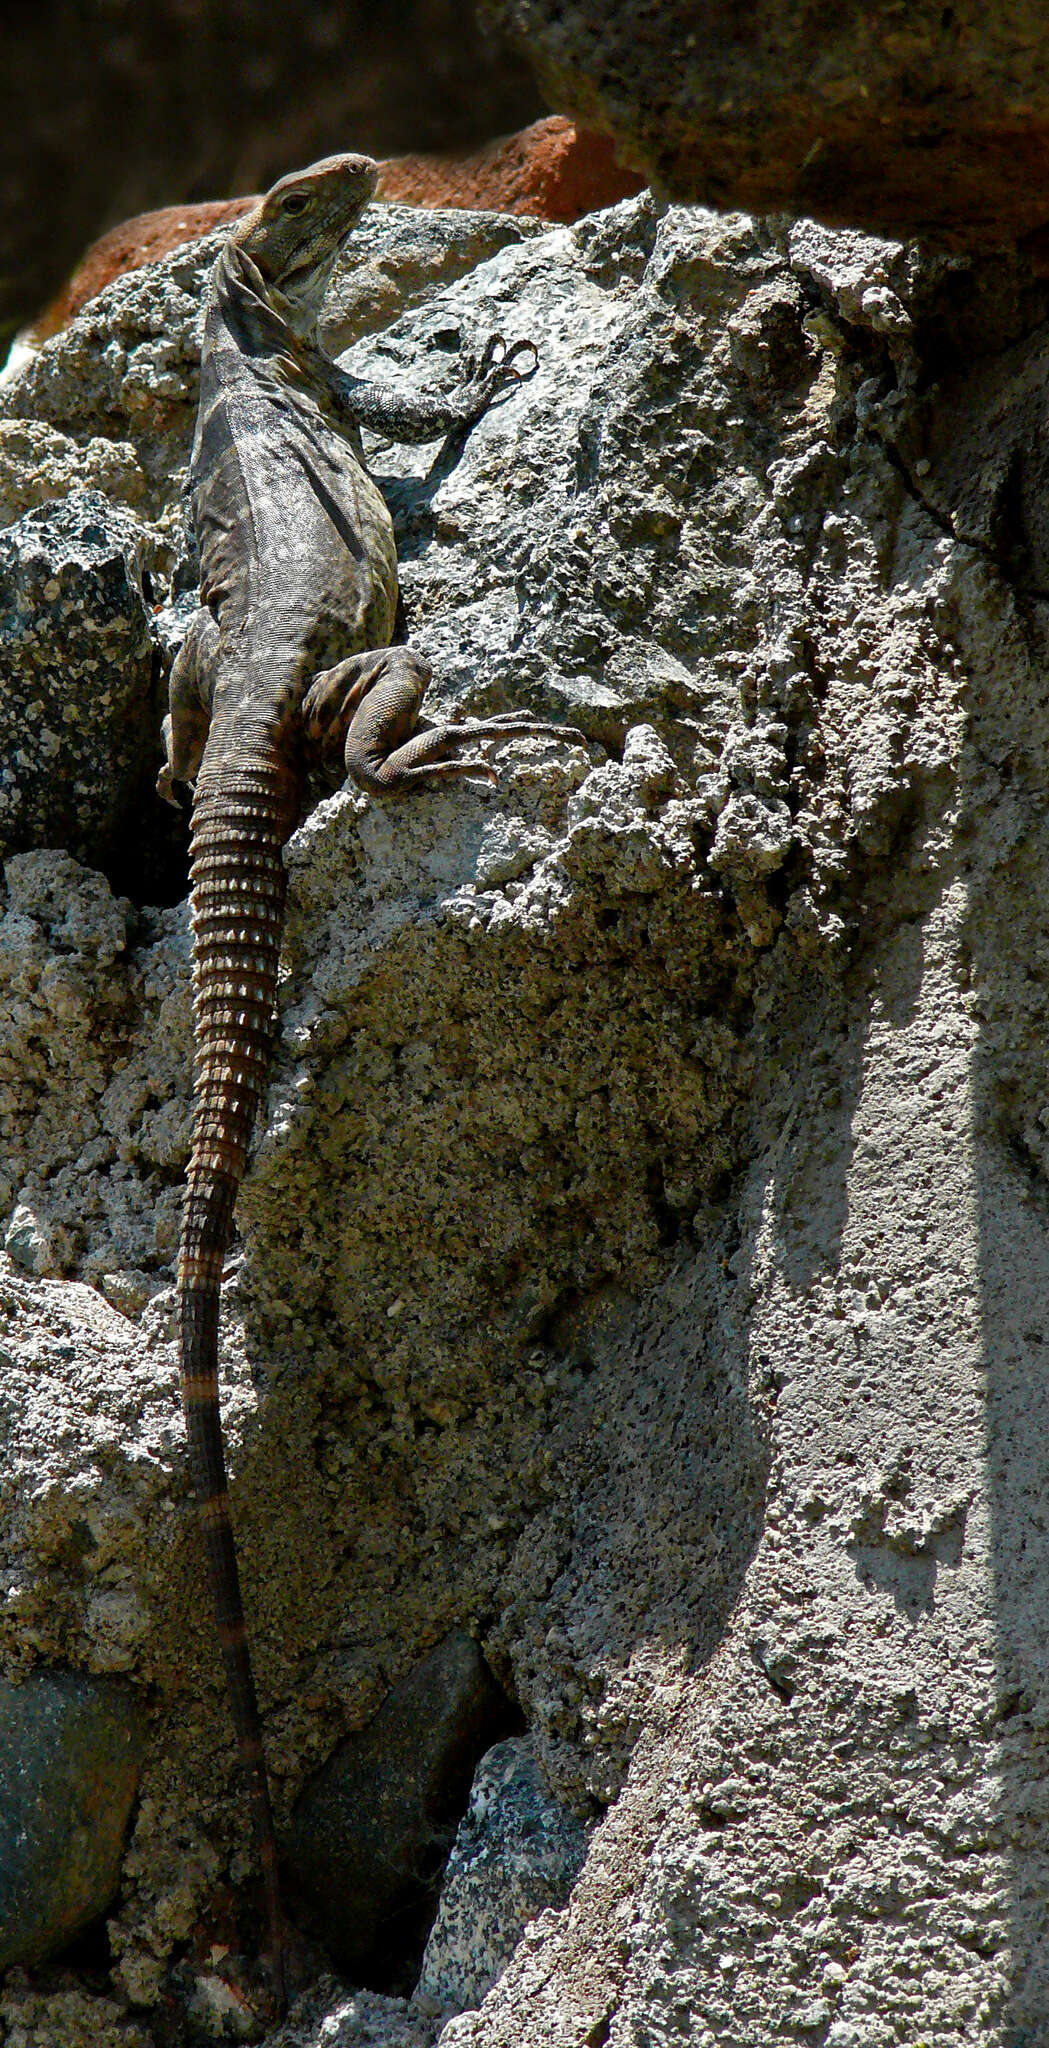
[551, 168]
[372, 1830]
[70, 1752]
[931, 123]
[515, 1855]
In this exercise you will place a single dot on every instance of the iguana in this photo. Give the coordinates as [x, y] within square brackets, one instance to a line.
[286, 674]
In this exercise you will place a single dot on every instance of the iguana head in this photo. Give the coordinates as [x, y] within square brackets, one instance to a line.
[296, 232]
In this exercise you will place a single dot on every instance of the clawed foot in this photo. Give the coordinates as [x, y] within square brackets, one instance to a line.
[434, 753]
[438, 745]
[495, 370]
[368, 705]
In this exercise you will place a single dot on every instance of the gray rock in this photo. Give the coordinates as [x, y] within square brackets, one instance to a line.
[330, 2016]
[70, 1754]
[372, 1830]
[38, 2016]
[517, 1852]
[38, 463]
[78, 702]
[30, 1243]
[122, 376]
[404, 256]
[643, 1258]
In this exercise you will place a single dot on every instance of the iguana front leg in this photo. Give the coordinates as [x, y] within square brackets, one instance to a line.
[422, 416]
[368, 707]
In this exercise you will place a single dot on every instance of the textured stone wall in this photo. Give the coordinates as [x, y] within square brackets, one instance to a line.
[644, 1259]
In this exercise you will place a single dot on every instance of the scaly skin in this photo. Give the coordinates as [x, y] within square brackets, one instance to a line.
[286, 671]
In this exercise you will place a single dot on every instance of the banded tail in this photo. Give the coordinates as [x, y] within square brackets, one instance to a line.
[240, 823]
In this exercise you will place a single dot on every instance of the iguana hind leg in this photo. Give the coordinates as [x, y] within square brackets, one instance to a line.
[368, 706]
[190, 691]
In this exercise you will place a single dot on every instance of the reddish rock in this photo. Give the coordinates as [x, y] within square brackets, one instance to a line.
[552, 169]
[143, 239]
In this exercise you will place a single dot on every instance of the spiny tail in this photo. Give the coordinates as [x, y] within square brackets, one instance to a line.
[239, 826]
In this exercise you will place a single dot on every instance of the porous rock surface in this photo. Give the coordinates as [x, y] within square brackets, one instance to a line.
[74, 631]
[644, 1261]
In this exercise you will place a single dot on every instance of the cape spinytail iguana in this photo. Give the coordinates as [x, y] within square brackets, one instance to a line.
[286, 673]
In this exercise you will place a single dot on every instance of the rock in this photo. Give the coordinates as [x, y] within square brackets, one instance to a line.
[927, 128]
[517, 1853]
[94, 1456]
[145, 238]
[69, 2018]
[552, 169]
[372, 1830]
[117, 381]
[32, 1244]
[37, 463]
[329, 2016]
[70, 1750]
[77, 694]
[643, 1260]
[404, 259]
[73, 1119]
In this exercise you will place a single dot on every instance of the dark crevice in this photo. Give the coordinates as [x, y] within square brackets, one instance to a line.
[668, 1220]
[148, 860]
[88, 1954]
[997, 557]
[366, 1848]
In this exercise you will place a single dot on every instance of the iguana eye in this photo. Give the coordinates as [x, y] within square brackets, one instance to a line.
[296, 202]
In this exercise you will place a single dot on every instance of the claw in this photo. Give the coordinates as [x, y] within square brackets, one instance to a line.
[507, 361]
[175, 791]
[489, 359]
[497, 361]
[515, 722]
